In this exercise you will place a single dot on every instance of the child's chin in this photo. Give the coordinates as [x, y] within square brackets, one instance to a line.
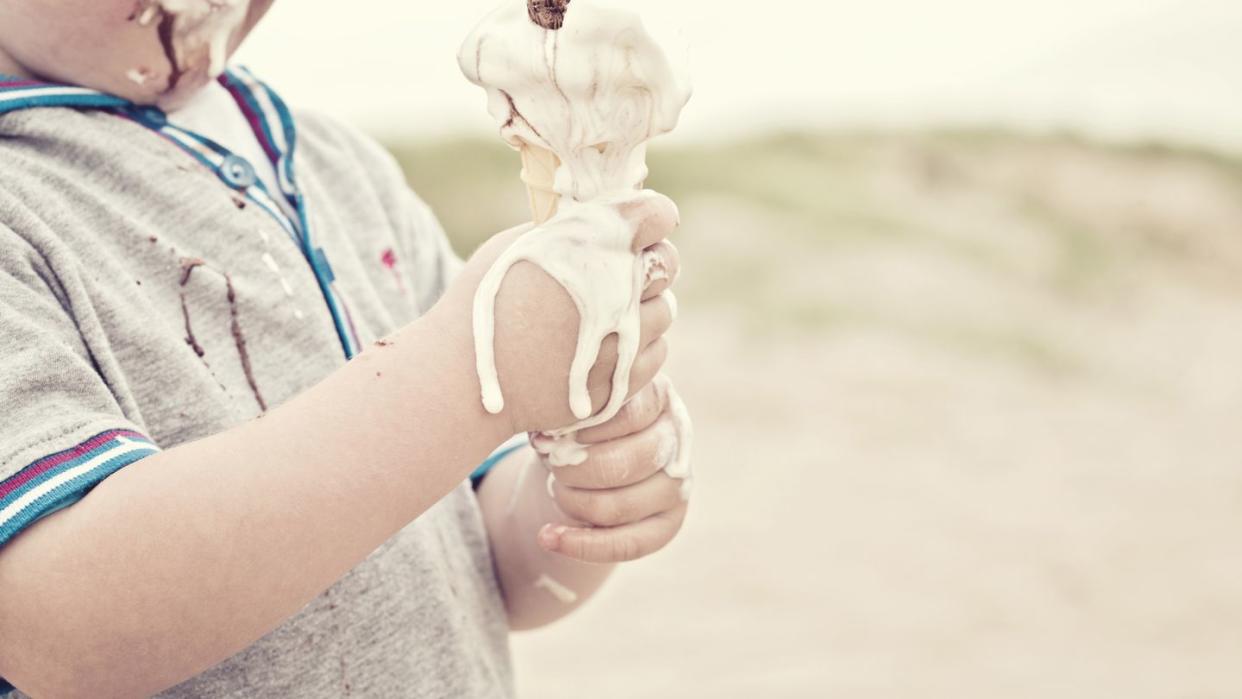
[154, 95]
[189, 85]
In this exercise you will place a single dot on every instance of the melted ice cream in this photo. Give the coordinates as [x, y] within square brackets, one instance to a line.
[594, 91]
[561, 450]
[558, 590]
[195, 33]
[592, 88]
[587, 249]
[679, 466]
[585, 81]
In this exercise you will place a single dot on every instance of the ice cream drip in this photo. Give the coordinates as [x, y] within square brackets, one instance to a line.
[560, 450]
[563, 594]
[680, 466]
[586, 249]
[578, 87]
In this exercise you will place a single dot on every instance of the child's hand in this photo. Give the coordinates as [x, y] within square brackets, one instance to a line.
[630, 507]
[537, 321]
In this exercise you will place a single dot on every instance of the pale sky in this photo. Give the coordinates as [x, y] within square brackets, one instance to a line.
[1168, 69]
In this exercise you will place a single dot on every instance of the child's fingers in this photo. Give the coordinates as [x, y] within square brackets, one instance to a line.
[616, 544]
[654, 215]
[623, 462]
[648, 364]
[636, 415]
[663, 265]
[619, 506]
[655, 317]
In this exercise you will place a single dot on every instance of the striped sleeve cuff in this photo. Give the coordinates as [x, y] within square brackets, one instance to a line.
[503, 451]
[61, 479]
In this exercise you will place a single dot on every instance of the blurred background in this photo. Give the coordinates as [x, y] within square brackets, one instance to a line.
[961, 331]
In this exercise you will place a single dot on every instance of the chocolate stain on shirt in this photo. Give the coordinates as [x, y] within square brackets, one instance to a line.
[188, 265]
[239, 339]
[189, 330]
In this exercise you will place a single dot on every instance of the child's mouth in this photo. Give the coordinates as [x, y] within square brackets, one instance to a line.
[194, 35]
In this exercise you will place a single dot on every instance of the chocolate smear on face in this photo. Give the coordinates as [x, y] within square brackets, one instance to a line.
[549, 14]
[170, 52]
[145, 12]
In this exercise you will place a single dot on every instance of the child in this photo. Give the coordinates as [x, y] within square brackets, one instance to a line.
[180, 257]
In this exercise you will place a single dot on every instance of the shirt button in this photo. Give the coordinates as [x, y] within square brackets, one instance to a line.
[237, 172]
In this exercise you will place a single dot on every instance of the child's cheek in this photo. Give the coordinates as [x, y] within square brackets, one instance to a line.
[132, 65]
[92, 43]
[148, 51]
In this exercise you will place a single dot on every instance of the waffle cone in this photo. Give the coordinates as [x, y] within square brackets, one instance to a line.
[539, 167]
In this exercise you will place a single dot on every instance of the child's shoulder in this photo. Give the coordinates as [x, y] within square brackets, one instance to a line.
[328, 132]
[353, 159]
[330, 142]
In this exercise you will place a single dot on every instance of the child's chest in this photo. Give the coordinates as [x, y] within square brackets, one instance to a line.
[202, 309]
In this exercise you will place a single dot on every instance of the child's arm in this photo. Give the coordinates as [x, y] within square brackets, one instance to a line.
[617, 506]
[185, 558]
[555, 543]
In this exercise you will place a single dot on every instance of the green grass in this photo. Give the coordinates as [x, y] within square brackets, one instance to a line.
[811, 198]
[820, 178]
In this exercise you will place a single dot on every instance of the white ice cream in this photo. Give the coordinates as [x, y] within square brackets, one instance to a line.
[680, 465]
[594, 92]
[587, 249]
[562, 593]
[560, 450]
[594, 87]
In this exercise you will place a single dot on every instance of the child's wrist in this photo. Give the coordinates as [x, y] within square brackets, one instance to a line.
[435, 355]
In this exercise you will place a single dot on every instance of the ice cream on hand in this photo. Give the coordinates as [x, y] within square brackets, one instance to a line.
[579, 87]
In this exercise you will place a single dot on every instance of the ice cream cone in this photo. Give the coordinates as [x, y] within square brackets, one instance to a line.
[539, 166]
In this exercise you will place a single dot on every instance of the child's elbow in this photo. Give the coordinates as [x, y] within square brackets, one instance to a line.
[44, 673]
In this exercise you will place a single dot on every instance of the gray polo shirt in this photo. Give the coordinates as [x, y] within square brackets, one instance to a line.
[144, 304]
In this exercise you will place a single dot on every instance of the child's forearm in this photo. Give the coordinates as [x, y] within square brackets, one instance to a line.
[187, 557]
[539, 587]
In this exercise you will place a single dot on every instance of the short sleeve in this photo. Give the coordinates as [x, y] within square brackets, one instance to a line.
[439, 264]
[62, 431]
[502, 452]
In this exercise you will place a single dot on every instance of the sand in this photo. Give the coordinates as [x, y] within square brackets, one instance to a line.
[968, 420]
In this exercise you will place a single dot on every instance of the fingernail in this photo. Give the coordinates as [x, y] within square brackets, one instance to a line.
[551, 482]
[550, 536]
